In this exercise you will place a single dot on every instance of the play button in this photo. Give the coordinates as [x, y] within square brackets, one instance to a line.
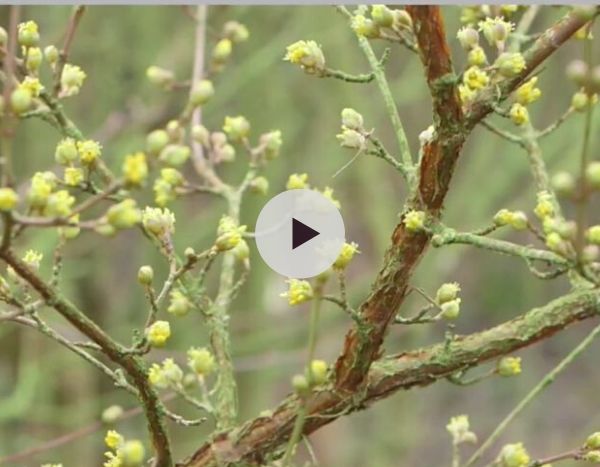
[299, 233]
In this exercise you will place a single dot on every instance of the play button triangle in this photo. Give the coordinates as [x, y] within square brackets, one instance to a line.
[301, 233]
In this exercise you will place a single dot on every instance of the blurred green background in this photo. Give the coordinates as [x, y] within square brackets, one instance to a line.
[45, 391]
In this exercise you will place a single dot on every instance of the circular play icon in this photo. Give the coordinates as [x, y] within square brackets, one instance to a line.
[299, 233]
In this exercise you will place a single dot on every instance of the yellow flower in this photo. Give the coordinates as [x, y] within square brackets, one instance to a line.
[519, 114]
[328, 193]
[509, 366]
[299, 291]
[447, 292]
[514, 455]
[528, 93]
[66, 151]
[465, 93]
[158, 221]
[112, 460]
[59, 204]
[34, 59]
[123, 215]
[71, 79]
[414, 220]
[307, 54]
[201, 361]
[165, 375]
[476, 56]
[475, 78]
[73, 176]
[365, 27]
[297, 181]
[516, 219]
[510, 64]
[346, 254]
[156, 377]
[8, 199]
[318, 372]
[179, 304]
[459, 429]
[132, 453]
[33, 258]
[32, 85]
[42, 185]
[158, 333]
[113, 439]
[496, 30]
[135, 168]
[236, 128]
[89, 151]
[28, 34]
[545, 206]
[229, 234]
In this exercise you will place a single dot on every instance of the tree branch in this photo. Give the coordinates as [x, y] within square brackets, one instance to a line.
[262, 436]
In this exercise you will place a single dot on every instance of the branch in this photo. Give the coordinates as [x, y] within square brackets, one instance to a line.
[263, 435]
[133, 365]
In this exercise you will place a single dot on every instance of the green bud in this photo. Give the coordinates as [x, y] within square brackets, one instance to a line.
[468, 37]
[592, 174]
[160, 76]
[593, 441]
[235, 31]
[451, 309]
[201, 92]
[509, 366]
[175, 131]
[175, 155]
[259, 185]
[577, 71]
[201, 135]
[112, 414]
[201, 361]
[156, 141]
[382, 16]
[179, 304]
[20, 101]
[145, 275]
[27, 34]
[34, 59]
[132, 453]
[592, 457]
[447, 292]
[593, 234]
[352, 120]
[402, 19]
[51, 54]
[351, 139]
[236, 128]
[300, 385]
[226, 153]
[563, 183]
[222, 50]
[172, 176]
[318, 372]
[241, 251]
[271, 142]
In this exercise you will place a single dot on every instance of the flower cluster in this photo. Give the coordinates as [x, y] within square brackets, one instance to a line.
[447, 299]
[168, 374]
[459, 429]
[123, 453]
[353, 134]
[158, 333]
[299, 291]
[509, 366]
[229, 234]
[383, 23]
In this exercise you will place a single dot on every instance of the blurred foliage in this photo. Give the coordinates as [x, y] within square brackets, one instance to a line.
[46, 391]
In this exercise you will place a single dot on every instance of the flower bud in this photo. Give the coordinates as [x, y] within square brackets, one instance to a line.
[113, 439]
[201, 92]
[510, 64]
[297, 181]
[299, 291]
[593, 234]
[509, 366]
[382, 16]
[592, 457]
[112, 414]
[402, 19]
[201, 135]
[225, 153]
[135, 169]
[556, 243]
[160, 76]
[351, 139]
[123, 215]
[8, 199]
[577, 71]
[259, 185]
[450, 310]
[145, 275]
[468, 37]
[175, 155]
[66, 151]
[51, 54]
[365, 27]
[71, 80]
[519, 114]
[447, 292]
[593, 441]
[563, 183]
[179, 304]
[34, 59]
[318, 372]
[414, 221]
[73, 176]
[476, 57]
[241, 251]
[271, 142]
[132, 453]
[514, 455]
[172, 176]
[28, 34]
[156, 141]
[201, 361]
[158, 333]
[345, 256]
[300, 385]
[592, 174]
[236, 128]
[235, 31]
[352, 120]
[222, 50]
[20, 101]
